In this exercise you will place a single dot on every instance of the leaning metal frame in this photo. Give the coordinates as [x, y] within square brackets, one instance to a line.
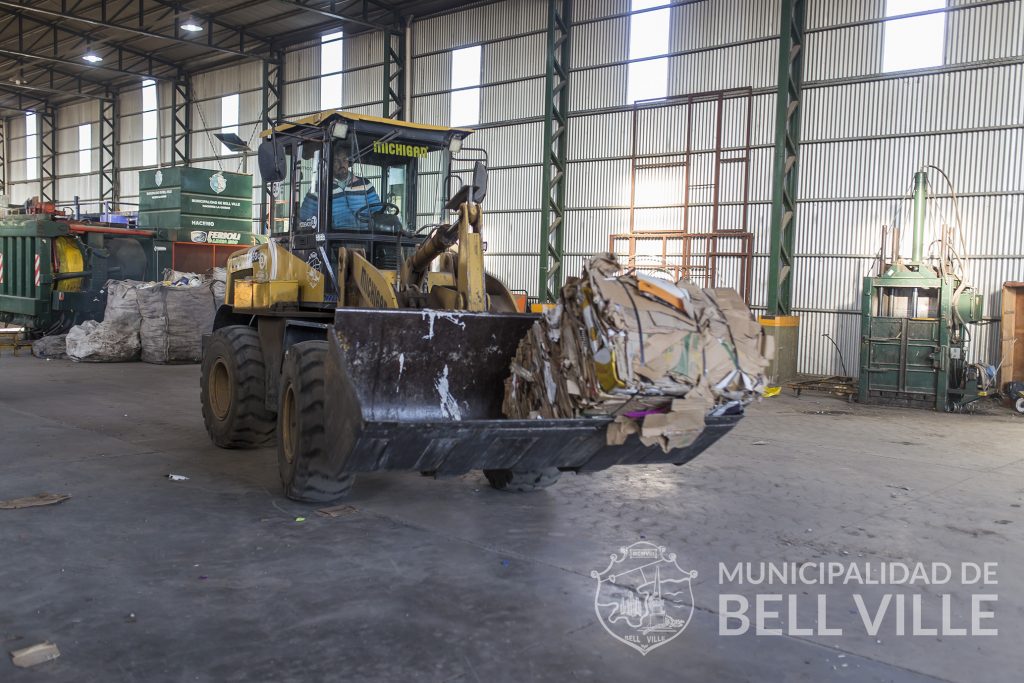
[700, 251]
[695, 260]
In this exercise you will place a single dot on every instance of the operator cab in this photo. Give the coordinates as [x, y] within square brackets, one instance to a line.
[339, 179]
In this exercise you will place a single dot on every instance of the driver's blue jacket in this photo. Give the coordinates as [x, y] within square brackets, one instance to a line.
[346, 201]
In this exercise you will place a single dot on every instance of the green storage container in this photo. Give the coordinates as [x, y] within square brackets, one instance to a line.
[197, 204]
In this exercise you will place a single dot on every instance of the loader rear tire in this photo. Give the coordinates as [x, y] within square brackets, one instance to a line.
[522, 481]
[233, 389]
[302, 442]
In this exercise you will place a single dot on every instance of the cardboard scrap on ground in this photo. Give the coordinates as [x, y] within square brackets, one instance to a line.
[655, 355]
[36, 654]
[34, 501]
[338, 510]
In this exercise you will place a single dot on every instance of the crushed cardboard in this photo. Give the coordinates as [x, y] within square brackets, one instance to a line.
[656, 356]
[37, 500]
[35, 654]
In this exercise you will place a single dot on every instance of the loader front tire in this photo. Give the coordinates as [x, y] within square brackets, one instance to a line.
[233, 389]
[302, 442]
[522, 481]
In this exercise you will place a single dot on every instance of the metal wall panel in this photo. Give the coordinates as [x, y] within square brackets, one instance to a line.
[601, 42]
[494, 21]
[595, 9]
[704, 25]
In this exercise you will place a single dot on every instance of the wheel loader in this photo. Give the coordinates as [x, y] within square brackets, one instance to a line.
[366, 334]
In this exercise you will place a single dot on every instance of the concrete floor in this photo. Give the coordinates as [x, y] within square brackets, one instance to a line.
[137, 577]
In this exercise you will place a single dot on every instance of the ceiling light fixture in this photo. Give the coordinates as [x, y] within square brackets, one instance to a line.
[92, 57]
[191, 25]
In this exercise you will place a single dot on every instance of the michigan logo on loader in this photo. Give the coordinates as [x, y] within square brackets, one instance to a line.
[644, 598]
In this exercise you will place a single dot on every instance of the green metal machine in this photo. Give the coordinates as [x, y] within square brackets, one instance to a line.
[914, 318]
[53, 268]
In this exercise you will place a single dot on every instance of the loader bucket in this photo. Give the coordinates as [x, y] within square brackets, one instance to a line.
[422, 390]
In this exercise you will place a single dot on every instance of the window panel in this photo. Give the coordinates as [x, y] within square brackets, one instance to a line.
[465, 104]
[31, 147]
[915, 42]
[228, 118]
[331, 63]
[150, 124]
[85, 148]
[648, 37]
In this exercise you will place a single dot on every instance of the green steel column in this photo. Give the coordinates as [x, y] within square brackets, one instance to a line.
[556, 119]
[109, 176]
[181, 120]
[273, 110]
[920, 202]
[787, 154]
[3, 154]
[47, 154]
[394, 76]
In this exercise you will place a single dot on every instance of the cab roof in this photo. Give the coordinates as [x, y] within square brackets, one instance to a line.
[328, 115]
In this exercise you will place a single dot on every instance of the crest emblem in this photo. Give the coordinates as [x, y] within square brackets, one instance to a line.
[643, 598]
[199, 235]
[315, 269]
[158, 177]
[217, 182]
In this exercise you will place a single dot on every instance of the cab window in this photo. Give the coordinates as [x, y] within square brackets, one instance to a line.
[307, 186]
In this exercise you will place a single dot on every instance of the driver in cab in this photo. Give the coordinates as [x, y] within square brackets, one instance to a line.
[349, 194]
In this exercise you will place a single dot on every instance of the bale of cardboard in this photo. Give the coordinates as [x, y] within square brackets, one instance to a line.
[656, 356]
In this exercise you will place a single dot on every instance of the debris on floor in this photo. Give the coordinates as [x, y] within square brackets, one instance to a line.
[635, 346]
[337, 511]
[36, 654]
[177, 477]
[37, 500]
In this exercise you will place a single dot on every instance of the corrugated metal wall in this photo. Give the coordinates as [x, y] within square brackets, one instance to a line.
[864, 133]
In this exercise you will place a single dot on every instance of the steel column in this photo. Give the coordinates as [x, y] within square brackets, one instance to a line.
[181, 120]
[47, 155]
[556, 118]
[394, 75]
[3, 157]
[273, 90]
[789, 107]
[273, 110]
[110, 194]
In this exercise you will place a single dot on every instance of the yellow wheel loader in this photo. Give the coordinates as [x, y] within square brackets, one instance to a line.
[366, 334]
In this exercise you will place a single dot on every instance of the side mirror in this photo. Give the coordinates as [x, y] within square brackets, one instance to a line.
[479, 181]
[273, 165]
